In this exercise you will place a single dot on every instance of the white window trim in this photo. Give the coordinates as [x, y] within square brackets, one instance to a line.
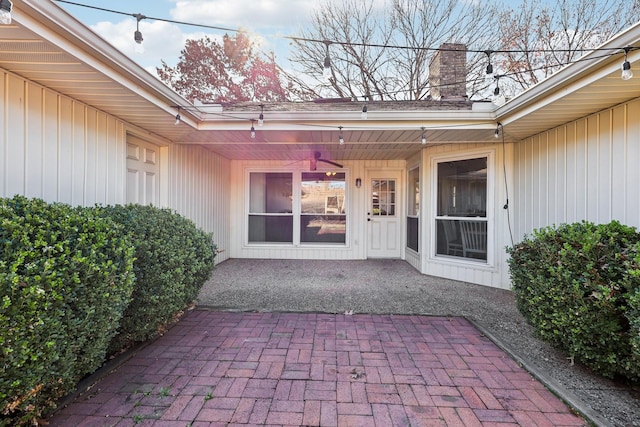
[490, 154]
[296, 174]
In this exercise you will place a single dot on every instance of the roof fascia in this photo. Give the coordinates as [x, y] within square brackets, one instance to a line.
[55, 25]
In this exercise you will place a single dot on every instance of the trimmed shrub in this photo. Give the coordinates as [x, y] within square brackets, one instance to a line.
[173, 260]
[66, 276]
[578, 284]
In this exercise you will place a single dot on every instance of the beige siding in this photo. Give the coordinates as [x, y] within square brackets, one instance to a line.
[586, 170]
[57, 149]
[200, 189]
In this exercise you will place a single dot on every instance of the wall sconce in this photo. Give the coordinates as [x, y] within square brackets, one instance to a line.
[358, 182]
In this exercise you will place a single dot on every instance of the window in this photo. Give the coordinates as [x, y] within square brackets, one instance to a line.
[461, 217]
[278, 199]
[270, 207]
[322, 202]
[413, 208]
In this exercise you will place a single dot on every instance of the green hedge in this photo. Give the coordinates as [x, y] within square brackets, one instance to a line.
[579, 286]
[65, 277]
[173, 260]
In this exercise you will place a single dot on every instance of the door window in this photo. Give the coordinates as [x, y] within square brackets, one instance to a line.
[383, 197]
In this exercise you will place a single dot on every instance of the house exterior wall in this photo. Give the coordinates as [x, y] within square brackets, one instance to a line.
[61, 150]
[356, 211]
[57, 149]
[494, 272]
[199, 188]
[585, 170]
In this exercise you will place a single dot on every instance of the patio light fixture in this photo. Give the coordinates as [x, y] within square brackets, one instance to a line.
[5, 12]
[261, 116]
[253, 130]
[489, 66]
[137, 36]
[365, 113]
[340, 138]
[326, 71]
[626, 65]
[496, 134]
[423, 139]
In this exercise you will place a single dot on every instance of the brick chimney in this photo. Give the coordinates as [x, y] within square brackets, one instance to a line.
[448, 72]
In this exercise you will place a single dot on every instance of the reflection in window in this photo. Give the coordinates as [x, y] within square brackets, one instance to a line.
[323, 212]
[413, 208]
[461, 221]
[270, 207]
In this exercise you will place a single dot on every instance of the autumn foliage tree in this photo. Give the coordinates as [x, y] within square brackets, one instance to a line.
[227, 71]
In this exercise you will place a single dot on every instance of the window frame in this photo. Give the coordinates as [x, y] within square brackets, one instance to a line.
[489, 217]
[296, 207]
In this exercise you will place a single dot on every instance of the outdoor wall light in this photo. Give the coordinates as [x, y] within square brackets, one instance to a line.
[358, 182]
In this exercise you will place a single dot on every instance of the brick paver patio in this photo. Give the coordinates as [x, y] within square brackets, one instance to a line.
[222, 368]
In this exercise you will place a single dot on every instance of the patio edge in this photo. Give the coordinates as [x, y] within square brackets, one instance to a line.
[567, 396]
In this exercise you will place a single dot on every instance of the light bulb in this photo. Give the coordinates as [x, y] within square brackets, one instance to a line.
[365, 113]
[253, 132]
[5, 12]
[626, 71]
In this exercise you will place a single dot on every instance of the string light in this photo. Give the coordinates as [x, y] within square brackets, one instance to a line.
[137, 36]
[5, 12]
[489, 66]
[326, 71]
[626, 65]
[253, 130]
[423, 139]
[261, 116]
[496, 134]
[340, 138]
[365, 113]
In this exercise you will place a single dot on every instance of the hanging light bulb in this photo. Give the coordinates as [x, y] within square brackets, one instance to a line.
[5, 12]
[261, 116]
[326, 71]
[340, 138]
[496, 134]
[489, 66]
[137, 36]
[365, 113]
[423, 139]
[253, 131]
[626, 65]
[178, 118]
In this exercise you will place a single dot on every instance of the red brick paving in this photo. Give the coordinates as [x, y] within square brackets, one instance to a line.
[220, 368]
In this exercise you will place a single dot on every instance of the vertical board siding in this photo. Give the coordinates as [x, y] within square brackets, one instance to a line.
[200, 189]
[58, 149]
[590, 170]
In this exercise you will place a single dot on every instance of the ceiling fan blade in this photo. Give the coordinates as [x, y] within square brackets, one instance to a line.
[338, 165]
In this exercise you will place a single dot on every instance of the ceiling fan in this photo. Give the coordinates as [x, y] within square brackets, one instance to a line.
[317, 157]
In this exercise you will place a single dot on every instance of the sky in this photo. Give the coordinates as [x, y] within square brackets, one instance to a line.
[268, 21]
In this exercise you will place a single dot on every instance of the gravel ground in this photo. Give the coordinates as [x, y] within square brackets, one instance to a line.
[394, 287]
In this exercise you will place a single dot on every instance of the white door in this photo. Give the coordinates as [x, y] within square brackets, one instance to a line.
[384, 214]
[142, 172]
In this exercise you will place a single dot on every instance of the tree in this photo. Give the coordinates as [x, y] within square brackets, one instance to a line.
[381, 49]
[227, 72]
[383, 52]
[540, 38]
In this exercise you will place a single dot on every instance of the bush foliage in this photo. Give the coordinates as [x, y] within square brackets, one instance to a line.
[66, 277]
[579, 286]
[173, 260]
[80, 283]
